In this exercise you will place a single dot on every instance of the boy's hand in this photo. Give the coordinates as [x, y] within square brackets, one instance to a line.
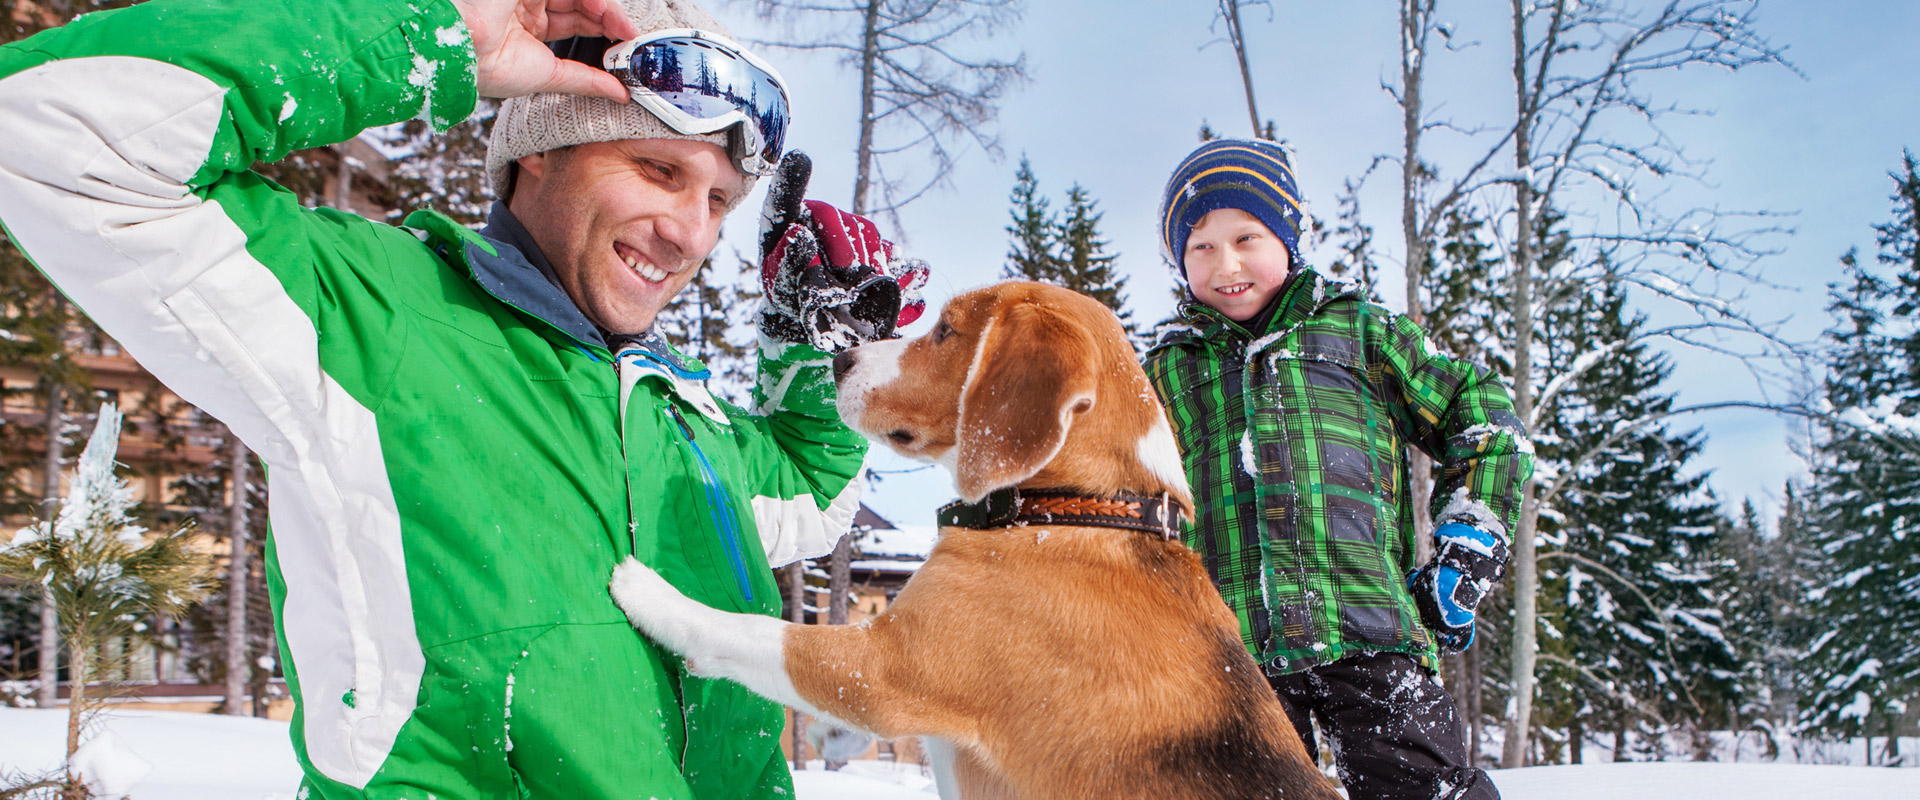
[1466, 564]
[510, 55]
[831, 281]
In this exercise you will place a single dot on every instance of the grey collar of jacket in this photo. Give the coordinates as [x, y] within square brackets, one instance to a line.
[521, 277]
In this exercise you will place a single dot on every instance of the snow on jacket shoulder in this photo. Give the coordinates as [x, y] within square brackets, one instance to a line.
[452, 479]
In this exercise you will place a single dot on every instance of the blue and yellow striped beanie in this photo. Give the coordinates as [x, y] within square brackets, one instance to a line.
[1250, 175]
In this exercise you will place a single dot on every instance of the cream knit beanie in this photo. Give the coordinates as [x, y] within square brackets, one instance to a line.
[541, 122]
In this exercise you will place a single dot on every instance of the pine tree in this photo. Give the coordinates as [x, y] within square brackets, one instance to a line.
[106, 577]
[1064, 249]
[1632, 585]
[1354, 263]
[1465, 319]
[1764, 618]
[1863, 665]
[1030, 256]
[1085, 265]
[1465, 307]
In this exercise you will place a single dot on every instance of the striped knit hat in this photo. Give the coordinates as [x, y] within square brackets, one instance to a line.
[1254, 176]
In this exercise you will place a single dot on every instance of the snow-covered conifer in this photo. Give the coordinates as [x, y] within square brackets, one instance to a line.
[1863, 659]
[107, 577]
[1632, 580]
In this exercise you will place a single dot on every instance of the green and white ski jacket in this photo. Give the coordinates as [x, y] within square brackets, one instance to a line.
[453, 477]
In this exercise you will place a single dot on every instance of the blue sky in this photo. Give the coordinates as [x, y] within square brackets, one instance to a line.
[1104, 109]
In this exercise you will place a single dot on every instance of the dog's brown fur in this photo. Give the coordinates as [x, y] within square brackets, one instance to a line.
[1058, 661]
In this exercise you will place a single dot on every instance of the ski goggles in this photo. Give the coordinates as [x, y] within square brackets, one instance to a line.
[698, 82]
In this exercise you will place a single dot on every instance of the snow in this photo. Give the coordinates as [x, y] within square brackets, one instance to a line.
[876, 565]
[1705, 781]
[914, 541]
[194, 756]
[213, 757]
[108, 766]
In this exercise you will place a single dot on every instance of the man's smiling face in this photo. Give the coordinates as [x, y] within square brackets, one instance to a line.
[1235, 264]
[625, 224]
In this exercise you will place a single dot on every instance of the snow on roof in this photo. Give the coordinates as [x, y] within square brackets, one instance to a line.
[899, 567]
[914, 541]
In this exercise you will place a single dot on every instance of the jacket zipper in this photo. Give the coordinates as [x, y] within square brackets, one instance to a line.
[719, 506]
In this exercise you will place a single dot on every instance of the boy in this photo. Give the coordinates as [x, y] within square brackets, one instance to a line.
[1292, 398]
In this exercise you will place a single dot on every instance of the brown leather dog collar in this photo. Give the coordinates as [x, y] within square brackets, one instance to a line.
[1011, 507]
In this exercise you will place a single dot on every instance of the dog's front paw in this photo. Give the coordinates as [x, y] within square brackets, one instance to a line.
[640, 593]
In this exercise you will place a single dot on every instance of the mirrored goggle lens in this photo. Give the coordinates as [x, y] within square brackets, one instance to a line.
[707, 81]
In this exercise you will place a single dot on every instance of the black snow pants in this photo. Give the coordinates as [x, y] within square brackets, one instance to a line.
[1394, 731]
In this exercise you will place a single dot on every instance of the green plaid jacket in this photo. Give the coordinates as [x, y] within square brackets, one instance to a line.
[1294, 439]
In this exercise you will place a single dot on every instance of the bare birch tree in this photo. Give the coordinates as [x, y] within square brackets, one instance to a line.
[238, 666]
[1586, 136]
[1229, 15]
[1587, 149]
[1425, 202]
[923, 92]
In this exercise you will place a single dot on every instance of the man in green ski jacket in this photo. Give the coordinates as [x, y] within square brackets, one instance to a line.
[465, 432]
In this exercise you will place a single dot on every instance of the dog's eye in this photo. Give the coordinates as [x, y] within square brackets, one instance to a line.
[901, 438]
[941, 332]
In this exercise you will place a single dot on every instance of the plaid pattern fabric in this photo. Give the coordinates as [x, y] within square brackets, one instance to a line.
[1293, 441]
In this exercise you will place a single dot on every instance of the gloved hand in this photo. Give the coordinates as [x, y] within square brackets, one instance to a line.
[831, 281]
[1467, 563]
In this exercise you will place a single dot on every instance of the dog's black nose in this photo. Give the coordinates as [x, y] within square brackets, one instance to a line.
[842, 363]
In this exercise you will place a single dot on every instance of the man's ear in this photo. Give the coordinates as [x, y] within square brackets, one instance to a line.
[524, 170]
[530, 166]
[1032, 374]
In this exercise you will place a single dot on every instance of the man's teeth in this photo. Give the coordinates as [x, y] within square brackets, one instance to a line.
[645, 270]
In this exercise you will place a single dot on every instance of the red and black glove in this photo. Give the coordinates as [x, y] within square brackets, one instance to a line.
[831, 281]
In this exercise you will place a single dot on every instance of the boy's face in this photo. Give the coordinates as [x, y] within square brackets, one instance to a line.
[1235, 264]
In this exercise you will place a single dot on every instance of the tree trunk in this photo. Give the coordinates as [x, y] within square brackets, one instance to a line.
[840, 580]
[1576, 741]
[76, 708]
[1475, 712]
[1525, 580]
[1239, 40]
[47, 694]
[238, 670]
[869, 55]
[797, 614]
[343, 183]
[840, 593]
[1413, 23]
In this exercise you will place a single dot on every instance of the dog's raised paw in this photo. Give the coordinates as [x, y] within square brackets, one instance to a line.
[636, 588]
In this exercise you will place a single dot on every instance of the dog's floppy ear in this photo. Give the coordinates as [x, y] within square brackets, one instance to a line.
[1032, 374]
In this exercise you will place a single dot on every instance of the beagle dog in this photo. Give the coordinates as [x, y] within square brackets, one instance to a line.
[1060, 641]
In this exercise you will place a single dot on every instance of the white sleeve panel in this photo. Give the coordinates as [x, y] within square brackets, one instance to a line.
[794, 529]
[93, 187]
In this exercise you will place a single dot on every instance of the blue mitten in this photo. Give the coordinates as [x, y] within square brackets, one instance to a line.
[1467, 563]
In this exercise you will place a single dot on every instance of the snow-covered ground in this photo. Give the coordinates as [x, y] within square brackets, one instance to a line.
[206, 757]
